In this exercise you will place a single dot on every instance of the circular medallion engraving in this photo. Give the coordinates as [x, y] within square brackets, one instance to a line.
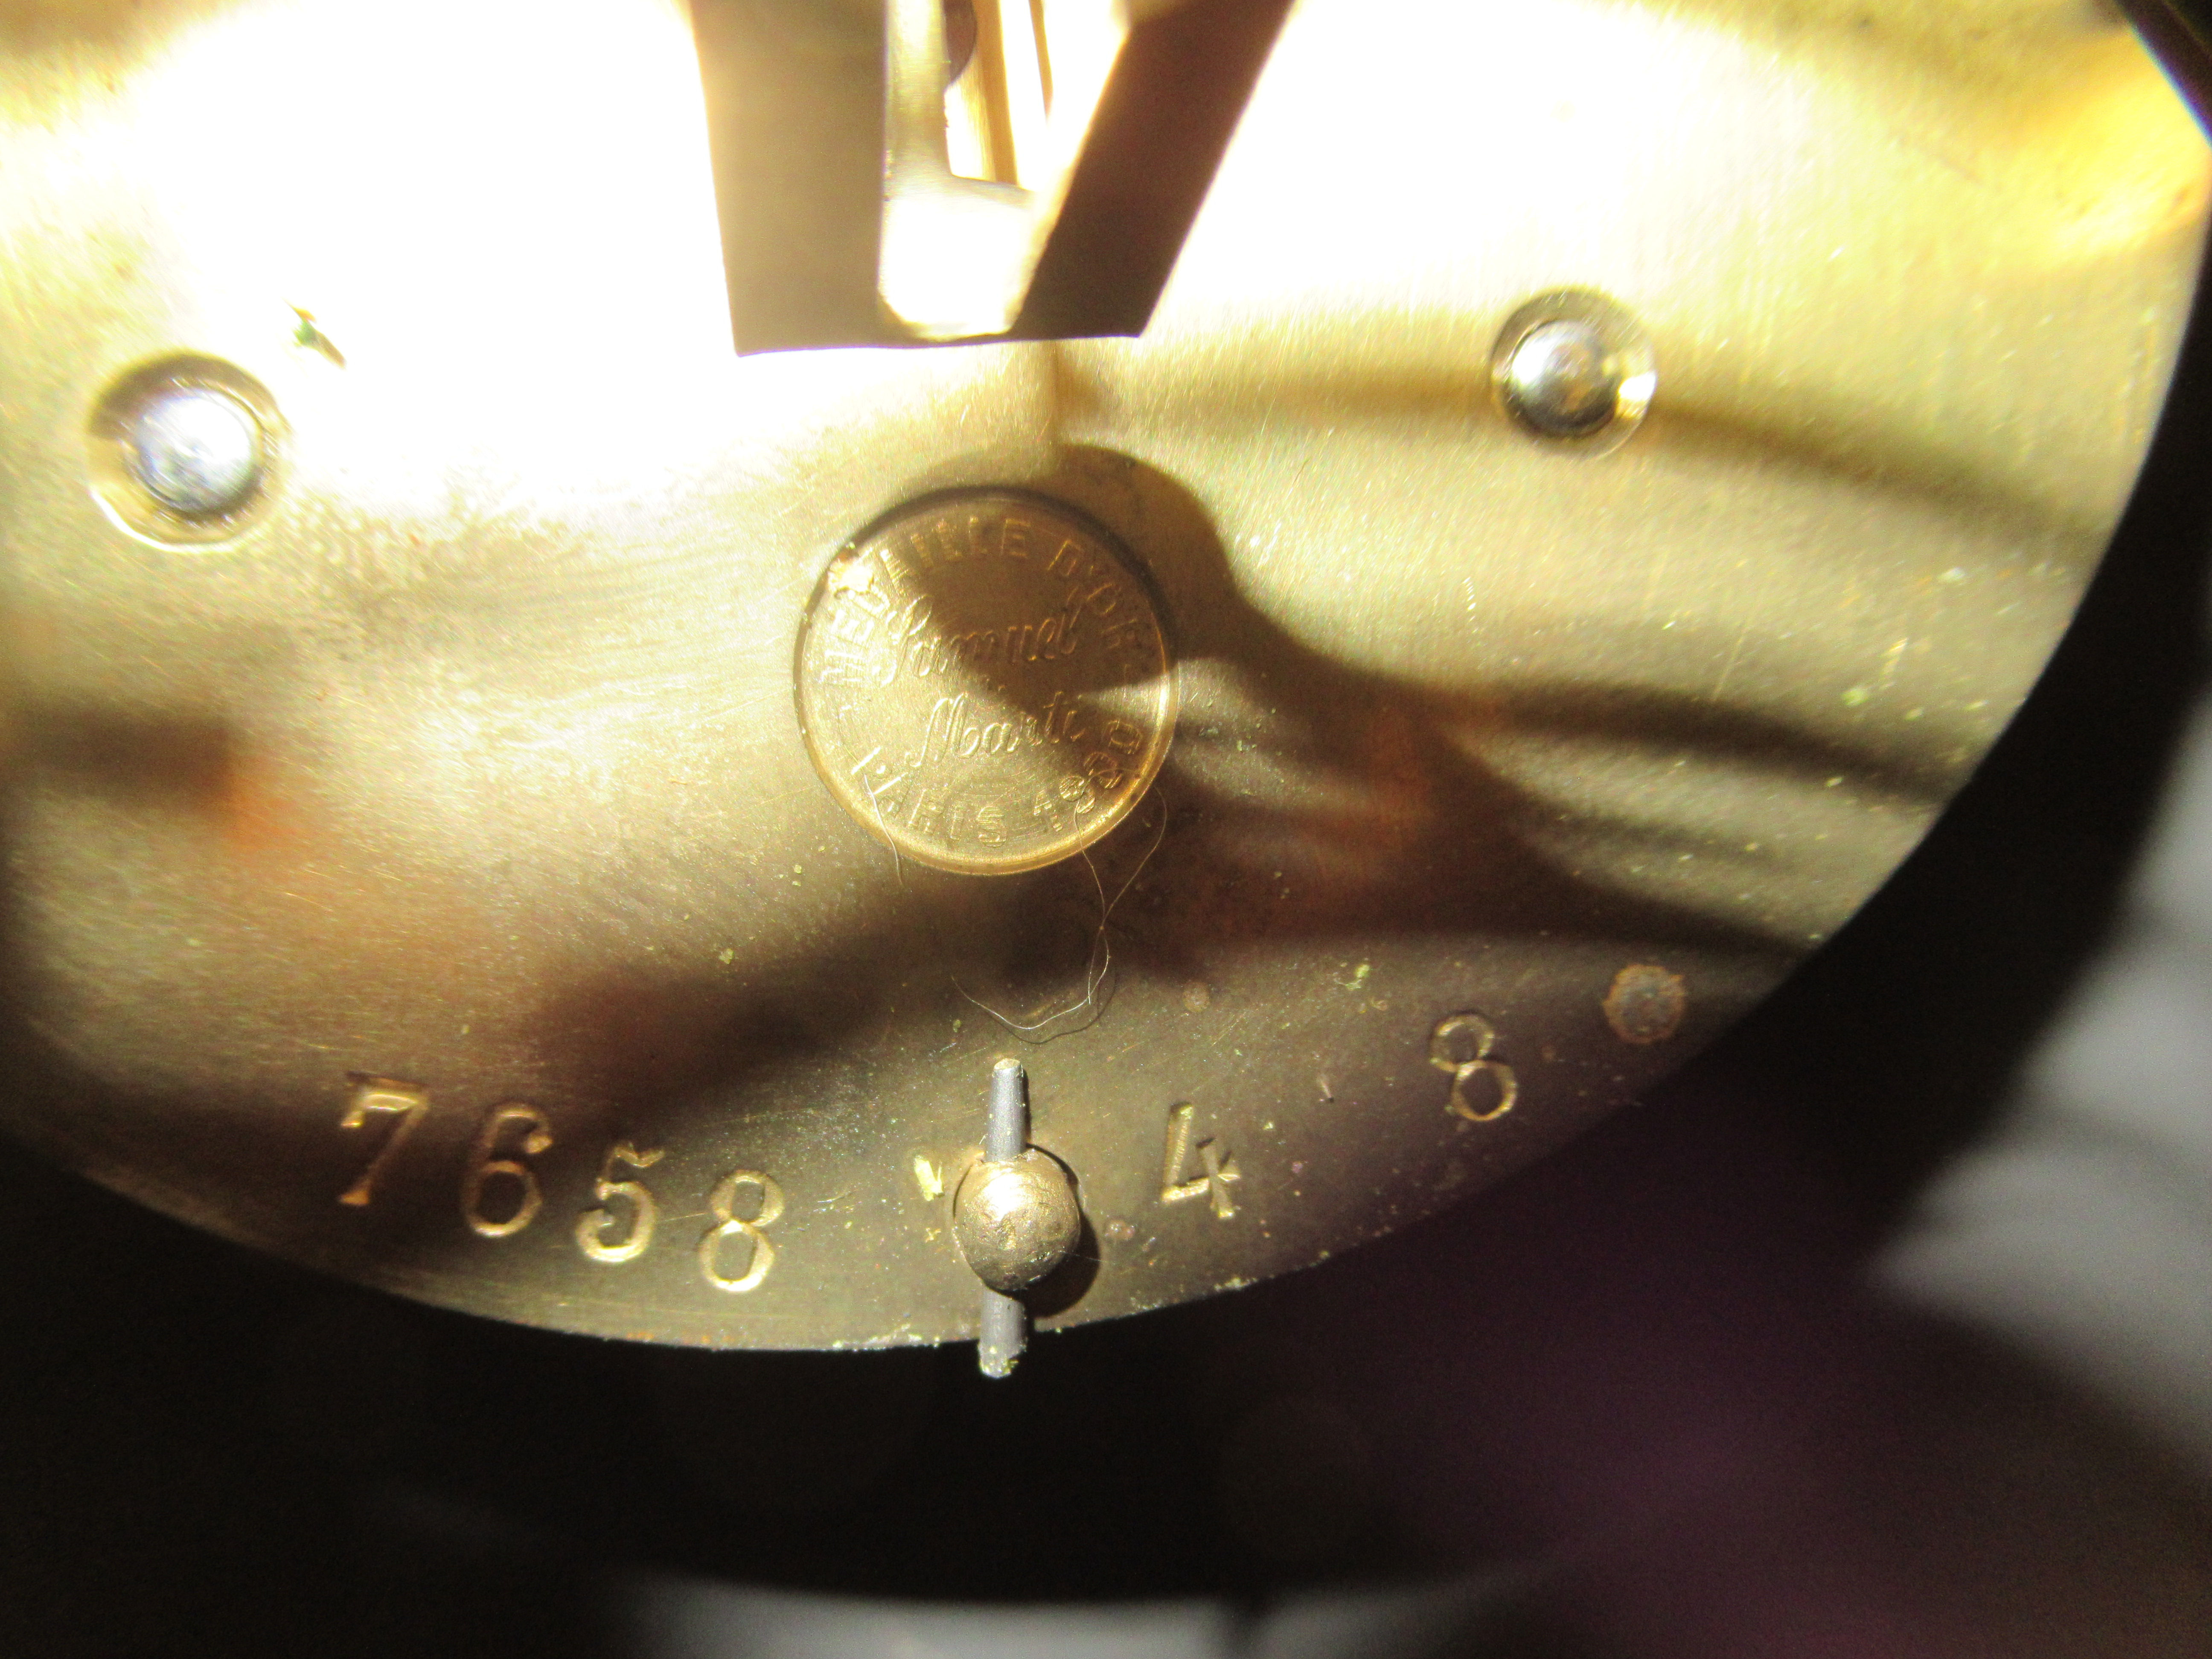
[983, 682]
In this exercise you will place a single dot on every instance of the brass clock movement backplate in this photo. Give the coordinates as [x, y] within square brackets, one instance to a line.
[471, 735]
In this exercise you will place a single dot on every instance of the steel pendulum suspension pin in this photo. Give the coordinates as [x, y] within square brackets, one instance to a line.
[1003, 1331]
[1015, 1218]
[1006, 1133]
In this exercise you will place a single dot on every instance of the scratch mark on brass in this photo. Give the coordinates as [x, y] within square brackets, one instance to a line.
[1082, 1010]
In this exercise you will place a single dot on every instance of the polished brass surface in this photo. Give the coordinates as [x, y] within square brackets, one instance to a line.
[983, 683]
[430, 880]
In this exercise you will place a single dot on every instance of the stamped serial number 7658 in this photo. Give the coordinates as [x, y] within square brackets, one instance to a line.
[501, 1195]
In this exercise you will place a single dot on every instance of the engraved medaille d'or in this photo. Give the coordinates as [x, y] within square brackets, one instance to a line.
[983, 682]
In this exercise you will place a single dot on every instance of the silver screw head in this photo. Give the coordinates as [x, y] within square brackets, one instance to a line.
[1559, 380]
[196, 450]
[1015, 1220]
[1574, 367]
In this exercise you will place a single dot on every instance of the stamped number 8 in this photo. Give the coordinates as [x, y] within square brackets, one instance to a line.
[1444, 1055]
[764, 1253]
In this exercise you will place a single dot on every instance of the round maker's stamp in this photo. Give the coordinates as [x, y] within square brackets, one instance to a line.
[984, 683]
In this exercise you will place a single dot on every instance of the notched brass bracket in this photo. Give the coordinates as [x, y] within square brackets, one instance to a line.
[1028, 174]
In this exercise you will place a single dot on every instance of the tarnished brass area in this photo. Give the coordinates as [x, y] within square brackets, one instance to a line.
[429, 878]
[984, 684]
